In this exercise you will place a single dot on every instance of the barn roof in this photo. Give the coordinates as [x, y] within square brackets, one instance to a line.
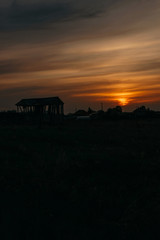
[39, 101]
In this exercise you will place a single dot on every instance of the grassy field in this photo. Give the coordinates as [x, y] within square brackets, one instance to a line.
[81, 180]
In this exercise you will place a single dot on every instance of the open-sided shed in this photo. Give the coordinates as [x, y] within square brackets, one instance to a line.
[53, 106]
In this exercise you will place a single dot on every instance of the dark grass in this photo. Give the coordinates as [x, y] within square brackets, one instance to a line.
[81, 180]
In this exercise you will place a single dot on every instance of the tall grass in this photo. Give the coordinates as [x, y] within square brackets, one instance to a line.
[107, 172]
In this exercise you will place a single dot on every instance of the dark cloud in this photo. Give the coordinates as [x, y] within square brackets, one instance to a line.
[23, 66]
[61, 20]
[18, 90]
[24, 14]
[19, 16]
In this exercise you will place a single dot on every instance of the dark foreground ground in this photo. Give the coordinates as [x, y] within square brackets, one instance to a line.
[93, 180]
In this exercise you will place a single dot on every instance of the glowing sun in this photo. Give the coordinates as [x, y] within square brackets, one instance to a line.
[122, 101]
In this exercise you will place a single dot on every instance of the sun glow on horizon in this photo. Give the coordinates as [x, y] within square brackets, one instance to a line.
[122, 101]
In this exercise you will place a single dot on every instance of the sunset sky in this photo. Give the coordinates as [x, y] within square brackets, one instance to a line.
[86, 52]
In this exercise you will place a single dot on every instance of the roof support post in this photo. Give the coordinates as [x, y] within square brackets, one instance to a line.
[62, 110]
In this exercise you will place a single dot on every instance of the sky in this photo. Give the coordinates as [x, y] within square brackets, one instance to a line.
[86, 52]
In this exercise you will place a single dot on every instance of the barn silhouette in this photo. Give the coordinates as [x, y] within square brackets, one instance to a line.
[53, 107]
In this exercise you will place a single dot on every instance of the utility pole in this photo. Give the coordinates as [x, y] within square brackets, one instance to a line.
[102, 106]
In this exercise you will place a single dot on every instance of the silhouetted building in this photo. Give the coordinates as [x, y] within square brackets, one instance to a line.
[81, 112]
[52, 106]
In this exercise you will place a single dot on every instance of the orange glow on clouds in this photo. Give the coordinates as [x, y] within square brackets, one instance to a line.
[118, 62]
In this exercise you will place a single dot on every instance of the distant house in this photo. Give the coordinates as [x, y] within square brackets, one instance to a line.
[51, 106]
[81, 112]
